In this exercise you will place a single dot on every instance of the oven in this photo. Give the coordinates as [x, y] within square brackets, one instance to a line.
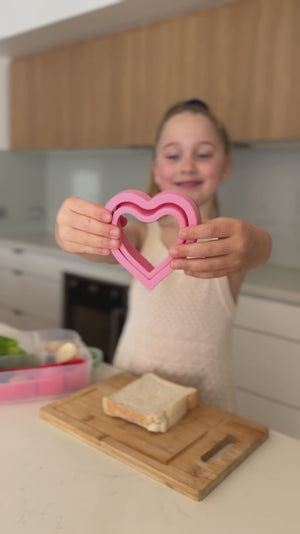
[96, 309]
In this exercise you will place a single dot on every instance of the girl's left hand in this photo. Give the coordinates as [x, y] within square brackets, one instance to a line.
[222, 246]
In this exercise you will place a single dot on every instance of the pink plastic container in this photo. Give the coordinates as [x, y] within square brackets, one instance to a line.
[50, 381]
[16, 384]
[24, 388]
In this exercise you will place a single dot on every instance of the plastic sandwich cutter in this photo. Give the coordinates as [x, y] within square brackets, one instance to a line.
[149, 209]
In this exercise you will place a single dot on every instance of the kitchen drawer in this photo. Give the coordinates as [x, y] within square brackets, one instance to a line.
[11, 257]
[41, 265]
[277, 416]
[267, 365]
[42, 297]
[26, 321]
[277, 318]
[8, 317]
[21, 259]
[28, 293]
[11, 287]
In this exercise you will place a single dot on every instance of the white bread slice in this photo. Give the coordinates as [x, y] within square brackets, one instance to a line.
[151, 402]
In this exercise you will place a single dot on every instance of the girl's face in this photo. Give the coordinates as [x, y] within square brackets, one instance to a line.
[190, 158]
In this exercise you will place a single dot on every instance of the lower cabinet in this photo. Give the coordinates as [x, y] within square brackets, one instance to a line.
[28, 293]
[276, 415]
[26, 321]
[30, 290]
[32, 285]
[267, 363]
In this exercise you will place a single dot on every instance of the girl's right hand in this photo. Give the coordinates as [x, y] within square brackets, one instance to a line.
[83, 227]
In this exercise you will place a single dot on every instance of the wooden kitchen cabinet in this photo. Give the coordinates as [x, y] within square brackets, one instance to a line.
[242, 58]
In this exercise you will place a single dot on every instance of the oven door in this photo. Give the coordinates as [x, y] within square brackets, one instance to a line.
[96, 310]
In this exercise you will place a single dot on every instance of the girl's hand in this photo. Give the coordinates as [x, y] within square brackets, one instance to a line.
[223, 247]
[83, 227]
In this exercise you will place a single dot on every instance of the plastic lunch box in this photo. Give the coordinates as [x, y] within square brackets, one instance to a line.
[47, 379]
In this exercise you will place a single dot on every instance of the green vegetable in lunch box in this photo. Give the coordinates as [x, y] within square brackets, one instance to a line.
[13, 361]
[10, 346]
[8, 341]
[13, 356]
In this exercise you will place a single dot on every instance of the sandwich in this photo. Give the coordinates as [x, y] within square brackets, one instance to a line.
[151, 402]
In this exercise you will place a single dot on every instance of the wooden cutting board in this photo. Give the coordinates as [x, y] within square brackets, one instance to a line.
[193, 457]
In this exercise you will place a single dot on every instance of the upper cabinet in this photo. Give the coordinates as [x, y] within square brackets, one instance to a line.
[242, 58]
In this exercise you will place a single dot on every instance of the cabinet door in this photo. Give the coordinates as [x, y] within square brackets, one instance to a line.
[11, 257]
[34, 322]
[20, 258]
[275, 415]
[280, 319]
[40, 93]
[42, 298]
[274, 102]
[267, 365]
[25, 321]
[8, 317]
[28, 293]
[11, 283]
[42, 265]
[241, 57]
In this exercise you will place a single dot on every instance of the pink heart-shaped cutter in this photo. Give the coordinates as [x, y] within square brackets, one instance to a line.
[149, 209]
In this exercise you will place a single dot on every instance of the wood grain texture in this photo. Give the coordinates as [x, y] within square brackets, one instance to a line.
[193, 457]
[241, 57]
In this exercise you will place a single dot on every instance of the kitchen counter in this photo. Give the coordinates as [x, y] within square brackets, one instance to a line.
[269, 281]
[46, 245]
[55, 482]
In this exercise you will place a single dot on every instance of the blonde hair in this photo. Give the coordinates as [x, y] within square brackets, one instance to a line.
[192, 106]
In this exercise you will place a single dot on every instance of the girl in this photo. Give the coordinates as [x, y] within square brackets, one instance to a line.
[182, 328]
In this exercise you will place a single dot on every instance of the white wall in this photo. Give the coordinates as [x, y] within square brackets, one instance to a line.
[95, 176]
[264, 188]
[21, 193]
[37, 13]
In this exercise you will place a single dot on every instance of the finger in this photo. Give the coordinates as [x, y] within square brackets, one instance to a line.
[205, 265]
[215, 228]
[83, 239]
[206, 276]
[206, 249]
[74, 248]
[87, 224]
[85, 207]
[77, 207]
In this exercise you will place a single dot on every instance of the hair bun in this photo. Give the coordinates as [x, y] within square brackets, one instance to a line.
[196, 102]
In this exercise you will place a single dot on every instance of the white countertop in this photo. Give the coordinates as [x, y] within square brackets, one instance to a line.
[53, 482]
[269, 281]
[45, 244]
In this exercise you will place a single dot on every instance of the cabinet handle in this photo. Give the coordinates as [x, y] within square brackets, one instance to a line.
[114, 293]
[93, 288]
[72, 283]
[18, 272]
[18, 312]
[18, 250]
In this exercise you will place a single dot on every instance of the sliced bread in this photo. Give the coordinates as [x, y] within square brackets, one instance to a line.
[151, 402]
